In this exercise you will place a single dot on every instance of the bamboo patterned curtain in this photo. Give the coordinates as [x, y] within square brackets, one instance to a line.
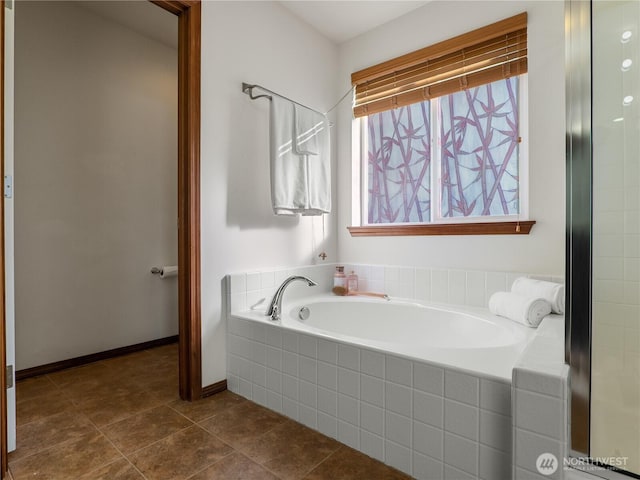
[497, 51]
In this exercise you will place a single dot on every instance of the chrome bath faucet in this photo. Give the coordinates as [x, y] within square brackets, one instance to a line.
[275, 307]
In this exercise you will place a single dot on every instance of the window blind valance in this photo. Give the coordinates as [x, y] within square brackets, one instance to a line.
[475, 58]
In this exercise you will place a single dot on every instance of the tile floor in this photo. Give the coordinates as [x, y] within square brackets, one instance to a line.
[122, 419]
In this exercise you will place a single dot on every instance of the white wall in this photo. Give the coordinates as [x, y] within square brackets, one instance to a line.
[254, 42]
[95, 184]
[543, 250]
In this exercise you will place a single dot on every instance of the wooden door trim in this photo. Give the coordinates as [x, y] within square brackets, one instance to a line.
[189, 14]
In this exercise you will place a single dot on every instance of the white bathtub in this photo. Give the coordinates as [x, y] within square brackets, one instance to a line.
[423, 388]
[465, 338]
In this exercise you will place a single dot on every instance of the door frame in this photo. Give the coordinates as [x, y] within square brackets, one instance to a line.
[189, 13]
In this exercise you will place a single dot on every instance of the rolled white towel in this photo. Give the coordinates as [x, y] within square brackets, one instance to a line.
[526, 310]
[550, 291]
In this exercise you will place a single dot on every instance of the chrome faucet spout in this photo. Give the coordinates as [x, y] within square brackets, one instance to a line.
[275, 307]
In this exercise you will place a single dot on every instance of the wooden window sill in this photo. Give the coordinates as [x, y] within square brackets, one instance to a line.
[487, 228]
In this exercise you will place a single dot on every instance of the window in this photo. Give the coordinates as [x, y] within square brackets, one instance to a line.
[441, 136]
[474, 158]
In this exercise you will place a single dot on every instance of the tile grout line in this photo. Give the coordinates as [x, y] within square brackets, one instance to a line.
[340, 447]
[538, 434]
[212, 464]
[206, 418]
[241, 451]
[133, 415]
[37, 396]
[117, 460]
[59, 444]
[41, 418]
[155, 441]
[122, 455]
[125, 457]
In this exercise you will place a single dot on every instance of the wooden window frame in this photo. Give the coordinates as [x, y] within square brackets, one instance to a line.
[478, 228]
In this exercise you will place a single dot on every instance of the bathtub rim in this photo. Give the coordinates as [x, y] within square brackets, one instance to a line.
[528, 333]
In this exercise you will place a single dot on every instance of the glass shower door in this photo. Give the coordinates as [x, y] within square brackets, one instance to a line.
[615, 361]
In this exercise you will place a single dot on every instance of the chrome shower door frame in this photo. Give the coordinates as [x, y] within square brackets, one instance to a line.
[579, 220]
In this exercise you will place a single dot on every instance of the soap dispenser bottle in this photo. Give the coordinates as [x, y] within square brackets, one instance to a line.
[339, 281]
[352, 282]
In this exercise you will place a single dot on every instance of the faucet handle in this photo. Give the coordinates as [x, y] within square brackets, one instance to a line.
[275, 314]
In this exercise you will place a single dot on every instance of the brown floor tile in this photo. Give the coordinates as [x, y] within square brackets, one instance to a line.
[240, 425]
[68, 460]
[166, 352]
[155, 369]
[207, 407]
[235, 467]
[91, 373]
[34, 387]
[296, 464]
[161, 380]
[118, 470]
[37, 408]
[349, 464]
[50, 431]
[291, 450]
[166, 389]
[286, 436]
[100, 388]
[132, 362]
[129, 398]
[145, 428]
[113, 408]
[180, 455]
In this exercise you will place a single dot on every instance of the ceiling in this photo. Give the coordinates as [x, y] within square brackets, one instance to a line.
[140, 15]
[343, 20]
[338, 20]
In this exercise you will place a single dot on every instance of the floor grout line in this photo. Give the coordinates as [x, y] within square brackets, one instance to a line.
[324, 460]
[59, 444]
[121, 454]
[127, 455]
[133, 415]
[212, 464]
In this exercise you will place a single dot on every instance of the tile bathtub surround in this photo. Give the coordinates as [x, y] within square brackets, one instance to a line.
[461, 287]
[540, 400]
[424, 420]
[256, 289]
[441, 285]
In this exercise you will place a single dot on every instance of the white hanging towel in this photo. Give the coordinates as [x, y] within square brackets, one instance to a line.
[300, 160]
[309, 131]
